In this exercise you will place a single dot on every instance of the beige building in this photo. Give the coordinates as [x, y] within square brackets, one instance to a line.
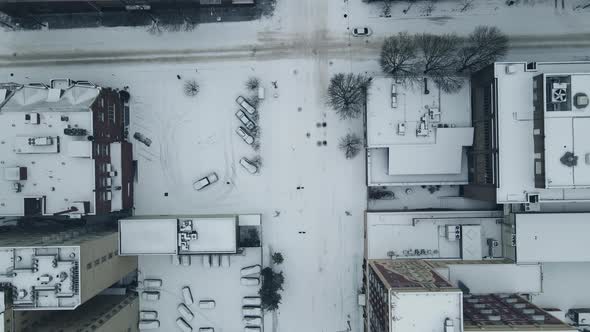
[61, 271]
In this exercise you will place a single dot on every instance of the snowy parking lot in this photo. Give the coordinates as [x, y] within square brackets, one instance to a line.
[317, 227]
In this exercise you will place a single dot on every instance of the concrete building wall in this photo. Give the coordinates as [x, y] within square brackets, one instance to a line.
[101, 266]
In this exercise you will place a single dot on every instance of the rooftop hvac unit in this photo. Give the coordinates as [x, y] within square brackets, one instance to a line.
[559, 93]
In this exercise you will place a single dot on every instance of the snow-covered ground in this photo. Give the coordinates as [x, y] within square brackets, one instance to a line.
[318, 228]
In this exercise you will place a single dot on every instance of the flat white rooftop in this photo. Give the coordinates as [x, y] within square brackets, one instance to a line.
[552, 237]
[405, 232]
[170, 235]
[417, 138]
[515, 135]
[62, 172]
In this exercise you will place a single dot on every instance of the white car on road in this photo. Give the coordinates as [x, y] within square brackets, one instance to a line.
[362, 32]
[243, 133]
[206, 181]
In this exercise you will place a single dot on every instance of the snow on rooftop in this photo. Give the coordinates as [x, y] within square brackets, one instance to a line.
[423, 134]
[54, 169]
[405, 232]
[515, 134]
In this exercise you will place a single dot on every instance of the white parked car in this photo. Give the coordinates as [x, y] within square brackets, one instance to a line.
[187, 295]
[206, 181]
[251, 300]
[206, 329]
[249, 281]
[148, 315]
[185, 312]
[252, 329]
[250, 270]
[253, 321]
[245, 105]
[245, 135]
[183, 325]
[362, 32]
[148, 325]
[249, 166]
[152, 283]
[207, 304]
[150, 296]
[251, 311]
[245, 120]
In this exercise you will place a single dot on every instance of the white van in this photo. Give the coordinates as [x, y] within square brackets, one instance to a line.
[185, 312]
[148, 324]
[187, 295]
[183, 325]
[251, 311]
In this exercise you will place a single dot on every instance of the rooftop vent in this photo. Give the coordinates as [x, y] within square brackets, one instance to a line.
[559, 93]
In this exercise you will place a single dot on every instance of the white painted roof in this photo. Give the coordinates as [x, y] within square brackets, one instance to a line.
[63, 179]
[157, 236]
[442, 157]
[552, 237]
[215, 234]
[515, 136]
[433, 158]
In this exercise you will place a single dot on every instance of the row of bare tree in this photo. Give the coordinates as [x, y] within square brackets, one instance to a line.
[446, 58]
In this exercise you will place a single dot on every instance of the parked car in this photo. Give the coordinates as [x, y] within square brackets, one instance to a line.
[206, 181]
[245, 120]
[362, 32]
[253, 321]
[148, 315]
[252, 329]
[148, 324]
[185, 312]
[150, 296]
[142, 138]
[251, 311]
[249, 281]
[252, 300]
[245, 135]
[152, 283]
[245, 105]
[249, 166]
[252, 270]
[183, 325]
[207, 304]
[187, 295]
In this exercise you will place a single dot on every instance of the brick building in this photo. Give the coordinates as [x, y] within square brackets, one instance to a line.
[63, 151]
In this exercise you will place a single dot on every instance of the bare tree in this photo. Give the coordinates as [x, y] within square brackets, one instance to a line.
[438, 52]
[351, 145]
[347, 94]
[191, 88]
[448, 82]
[428, 8]
[253, 83]
[465, 5]
[155, 28]
[386, 9]
[483, 46]
[398, 55]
